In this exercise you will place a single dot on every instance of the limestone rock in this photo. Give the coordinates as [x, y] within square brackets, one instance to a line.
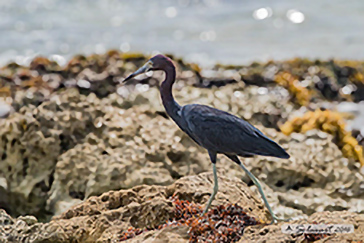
[104, 218]
[28, 152]
[270, 233]
[72, 146]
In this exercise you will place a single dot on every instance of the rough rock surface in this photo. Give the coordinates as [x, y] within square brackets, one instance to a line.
[51, 153]
[271, 233]
[74, 146]
[316, 178]
[74, 133]
[105, 218]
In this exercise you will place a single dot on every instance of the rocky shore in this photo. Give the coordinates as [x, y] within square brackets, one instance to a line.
[87, 159]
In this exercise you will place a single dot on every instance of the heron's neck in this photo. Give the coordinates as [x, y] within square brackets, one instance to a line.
[171, 106]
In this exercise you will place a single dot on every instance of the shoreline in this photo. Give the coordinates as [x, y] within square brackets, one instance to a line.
[80, 147]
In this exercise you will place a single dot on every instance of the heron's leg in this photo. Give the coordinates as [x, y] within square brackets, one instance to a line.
[257, 184]
[216, 185]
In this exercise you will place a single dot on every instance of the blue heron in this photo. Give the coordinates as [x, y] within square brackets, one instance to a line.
[217, 131]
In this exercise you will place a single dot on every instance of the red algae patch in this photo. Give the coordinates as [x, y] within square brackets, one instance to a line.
[224, 223]
[131, 233]
[221, 224]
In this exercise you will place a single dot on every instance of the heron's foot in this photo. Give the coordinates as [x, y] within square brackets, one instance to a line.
[276, 219]
[205, 211]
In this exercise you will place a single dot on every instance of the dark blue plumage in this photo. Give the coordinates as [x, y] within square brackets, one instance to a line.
[215, 130]
[225, 133]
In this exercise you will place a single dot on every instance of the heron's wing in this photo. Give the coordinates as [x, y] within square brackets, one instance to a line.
[222, 132]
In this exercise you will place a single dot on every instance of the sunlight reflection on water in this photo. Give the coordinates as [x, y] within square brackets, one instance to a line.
[203, 31]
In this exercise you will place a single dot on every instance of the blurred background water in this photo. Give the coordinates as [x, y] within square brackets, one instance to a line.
[202, 31]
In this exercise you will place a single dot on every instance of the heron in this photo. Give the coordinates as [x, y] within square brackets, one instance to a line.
[217, 131]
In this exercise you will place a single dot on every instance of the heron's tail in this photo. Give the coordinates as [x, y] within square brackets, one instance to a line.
[271, 148]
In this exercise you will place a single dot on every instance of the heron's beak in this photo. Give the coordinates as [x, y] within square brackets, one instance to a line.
[145, 68]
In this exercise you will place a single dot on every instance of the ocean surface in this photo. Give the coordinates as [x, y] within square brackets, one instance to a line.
[206, 32]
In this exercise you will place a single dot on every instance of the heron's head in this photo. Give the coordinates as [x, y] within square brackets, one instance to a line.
[158, 62]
